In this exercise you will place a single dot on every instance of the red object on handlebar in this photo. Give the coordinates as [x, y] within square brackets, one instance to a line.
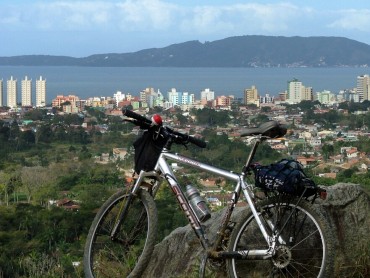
[156, 119]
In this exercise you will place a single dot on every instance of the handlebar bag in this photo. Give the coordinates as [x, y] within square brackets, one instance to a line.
[148, 147]
[285, 176]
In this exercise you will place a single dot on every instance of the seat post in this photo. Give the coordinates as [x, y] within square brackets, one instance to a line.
[251, 154]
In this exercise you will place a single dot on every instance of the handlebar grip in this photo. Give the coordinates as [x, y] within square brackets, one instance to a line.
[131, 114]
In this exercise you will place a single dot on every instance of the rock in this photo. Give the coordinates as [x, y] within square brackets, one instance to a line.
[346, 208]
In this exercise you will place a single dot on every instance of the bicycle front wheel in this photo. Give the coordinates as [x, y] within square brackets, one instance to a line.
[128, 253]
[304, 247]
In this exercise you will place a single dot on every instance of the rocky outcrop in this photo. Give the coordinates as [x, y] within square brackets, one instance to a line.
[346, 208]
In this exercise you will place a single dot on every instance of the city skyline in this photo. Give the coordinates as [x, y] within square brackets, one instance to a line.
[83, 28]
[39, 95]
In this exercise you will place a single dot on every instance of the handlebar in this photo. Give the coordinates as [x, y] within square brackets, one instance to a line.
[178, 137]
[133, 115]
[187, 138]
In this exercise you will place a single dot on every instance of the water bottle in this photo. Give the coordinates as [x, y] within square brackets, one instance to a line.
[197, 203]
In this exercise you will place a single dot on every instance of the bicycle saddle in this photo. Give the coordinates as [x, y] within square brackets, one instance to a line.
[270, 129]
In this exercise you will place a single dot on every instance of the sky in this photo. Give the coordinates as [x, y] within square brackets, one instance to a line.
[83, 28]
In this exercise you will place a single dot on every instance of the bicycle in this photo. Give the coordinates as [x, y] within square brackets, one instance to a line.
[281, 236]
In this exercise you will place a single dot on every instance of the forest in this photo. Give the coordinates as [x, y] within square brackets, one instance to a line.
[55, 158]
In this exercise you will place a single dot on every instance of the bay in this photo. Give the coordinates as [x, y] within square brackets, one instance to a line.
[88, 82]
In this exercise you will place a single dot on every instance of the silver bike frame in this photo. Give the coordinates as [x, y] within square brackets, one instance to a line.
[163, 167]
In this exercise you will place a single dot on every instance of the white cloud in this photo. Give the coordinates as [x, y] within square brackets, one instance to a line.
[132, 23]
[151, 14]
[352, 20]
[244, 18]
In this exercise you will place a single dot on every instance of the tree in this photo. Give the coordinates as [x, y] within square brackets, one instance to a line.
[35, 115]
[181, 118]
[5, 186]
[327, 150]
[36, 182]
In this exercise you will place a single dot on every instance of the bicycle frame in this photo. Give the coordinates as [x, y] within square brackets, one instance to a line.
[163, 170]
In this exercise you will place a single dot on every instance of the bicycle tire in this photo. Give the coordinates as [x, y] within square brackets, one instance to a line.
[129, 255]
[305, 248]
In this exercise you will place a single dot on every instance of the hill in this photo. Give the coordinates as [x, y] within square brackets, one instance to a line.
[241, 51]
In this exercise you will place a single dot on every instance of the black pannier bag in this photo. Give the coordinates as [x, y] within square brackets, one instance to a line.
[148, 147]
[285, 176]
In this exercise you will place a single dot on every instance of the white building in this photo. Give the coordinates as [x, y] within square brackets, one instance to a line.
[297, 92]
[118, 97]
[26, 91]
[40, 92]
[173, 97]
[11, 92]
[207, 95]
[325, 97]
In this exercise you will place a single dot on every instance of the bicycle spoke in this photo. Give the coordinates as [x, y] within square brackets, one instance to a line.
[300, 249]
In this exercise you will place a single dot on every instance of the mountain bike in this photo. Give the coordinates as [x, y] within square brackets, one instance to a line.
[282, 235]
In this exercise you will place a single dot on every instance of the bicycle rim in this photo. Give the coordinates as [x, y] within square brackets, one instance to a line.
[301, 250]
[128, 254]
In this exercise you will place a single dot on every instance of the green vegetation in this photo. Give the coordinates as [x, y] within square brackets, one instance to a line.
[53, 158]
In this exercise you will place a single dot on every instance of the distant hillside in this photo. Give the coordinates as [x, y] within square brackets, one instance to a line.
[242, 51]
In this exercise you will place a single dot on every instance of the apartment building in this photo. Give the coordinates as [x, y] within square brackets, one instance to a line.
[206, 95]
[251, 96]
[295, 91]
[60, 99]
[26, 92]
[176, 98]
[11, 89]
[40, 92]
[362, 89]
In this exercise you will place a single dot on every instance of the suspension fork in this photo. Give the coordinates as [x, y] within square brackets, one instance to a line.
[126, 205]
[121, 216]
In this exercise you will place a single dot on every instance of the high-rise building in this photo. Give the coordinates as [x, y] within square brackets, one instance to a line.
[11, 88]
[147, 97]
[251, 96]
[363, 83]
[296, 91]
[40, 92]
[1, 92]
[207, 95]
[174, 97]
[307, 93]
[26, 92]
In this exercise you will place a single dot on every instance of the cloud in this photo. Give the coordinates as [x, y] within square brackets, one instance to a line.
[133, 23]
[352, 19]
[244, 18]
[148, 14]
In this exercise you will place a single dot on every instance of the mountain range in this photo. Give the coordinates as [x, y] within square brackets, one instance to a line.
[239, 51]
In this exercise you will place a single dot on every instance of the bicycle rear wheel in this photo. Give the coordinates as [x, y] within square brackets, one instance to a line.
[129, 253]
[304, 248]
